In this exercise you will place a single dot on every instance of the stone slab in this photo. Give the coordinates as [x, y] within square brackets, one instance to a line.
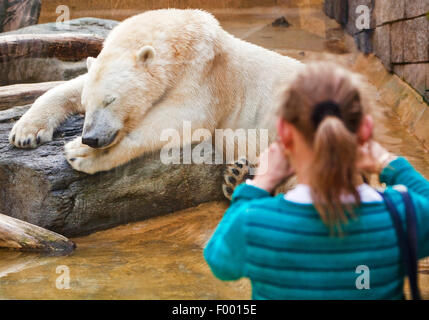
[416, 40]
[38, 186]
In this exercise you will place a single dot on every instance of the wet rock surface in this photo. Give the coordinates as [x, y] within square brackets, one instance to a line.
[38, 186]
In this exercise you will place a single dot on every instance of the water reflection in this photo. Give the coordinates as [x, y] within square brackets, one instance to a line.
[155, 259]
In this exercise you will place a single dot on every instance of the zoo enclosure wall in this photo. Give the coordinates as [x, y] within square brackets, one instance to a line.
[106, 8]
[398, 35]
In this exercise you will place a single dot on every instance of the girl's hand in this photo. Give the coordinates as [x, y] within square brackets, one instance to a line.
[273, 169]
[373, 157]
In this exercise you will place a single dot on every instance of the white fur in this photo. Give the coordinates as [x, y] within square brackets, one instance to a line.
[146, 53]
[89, 62]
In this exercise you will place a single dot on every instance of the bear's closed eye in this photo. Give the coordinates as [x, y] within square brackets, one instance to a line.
[108, 101]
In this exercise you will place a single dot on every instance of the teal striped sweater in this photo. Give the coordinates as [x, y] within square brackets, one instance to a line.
[288, 253]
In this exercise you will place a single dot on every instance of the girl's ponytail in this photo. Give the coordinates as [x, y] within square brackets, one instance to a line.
[333, 170]
[325, 104]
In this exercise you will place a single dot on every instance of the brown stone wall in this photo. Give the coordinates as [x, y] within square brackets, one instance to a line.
[123, 9]
[398, 35]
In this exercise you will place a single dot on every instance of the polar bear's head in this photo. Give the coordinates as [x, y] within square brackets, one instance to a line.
[120, 89]
[143, 60]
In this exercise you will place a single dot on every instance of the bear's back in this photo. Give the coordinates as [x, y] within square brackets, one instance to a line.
[157, 27]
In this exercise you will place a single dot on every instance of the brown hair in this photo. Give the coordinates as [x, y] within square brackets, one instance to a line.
[332, 135]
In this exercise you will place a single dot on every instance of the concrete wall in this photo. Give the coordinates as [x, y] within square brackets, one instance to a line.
[398, 35]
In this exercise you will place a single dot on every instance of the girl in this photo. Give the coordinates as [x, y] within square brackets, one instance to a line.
[312, 242]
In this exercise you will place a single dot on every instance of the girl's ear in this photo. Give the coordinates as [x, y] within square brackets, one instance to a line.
[284, 132]
[366, 129]
[146, 54]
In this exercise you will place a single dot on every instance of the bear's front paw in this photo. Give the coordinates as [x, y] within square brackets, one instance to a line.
[82, 157]
[29, 134]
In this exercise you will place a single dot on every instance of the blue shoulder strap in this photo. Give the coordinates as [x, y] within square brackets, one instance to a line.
[412, 243]
[407, 243]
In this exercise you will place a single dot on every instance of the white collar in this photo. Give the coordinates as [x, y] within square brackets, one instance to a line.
[301, 194]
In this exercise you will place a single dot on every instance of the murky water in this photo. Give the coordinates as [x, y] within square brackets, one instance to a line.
[162, 258]
[155, 259]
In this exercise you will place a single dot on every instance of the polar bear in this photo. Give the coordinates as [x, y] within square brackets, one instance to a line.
[155, 71]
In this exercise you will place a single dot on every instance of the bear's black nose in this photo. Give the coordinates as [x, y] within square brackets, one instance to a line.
[92, 142]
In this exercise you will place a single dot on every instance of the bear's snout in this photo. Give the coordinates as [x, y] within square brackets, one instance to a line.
[100, 129]
[97, 143]
[92, 142]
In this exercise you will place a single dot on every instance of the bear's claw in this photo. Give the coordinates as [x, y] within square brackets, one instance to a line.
[234, 175]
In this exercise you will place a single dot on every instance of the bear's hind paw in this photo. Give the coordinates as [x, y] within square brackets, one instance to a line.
[235, 174]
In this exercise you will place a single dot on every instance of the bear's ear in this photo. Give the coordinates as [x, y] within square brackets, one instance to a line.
[89, 62]
[146, 54]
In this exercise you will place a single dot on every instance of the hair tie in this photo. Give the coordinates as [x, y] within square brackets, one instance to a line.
[324, 109]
